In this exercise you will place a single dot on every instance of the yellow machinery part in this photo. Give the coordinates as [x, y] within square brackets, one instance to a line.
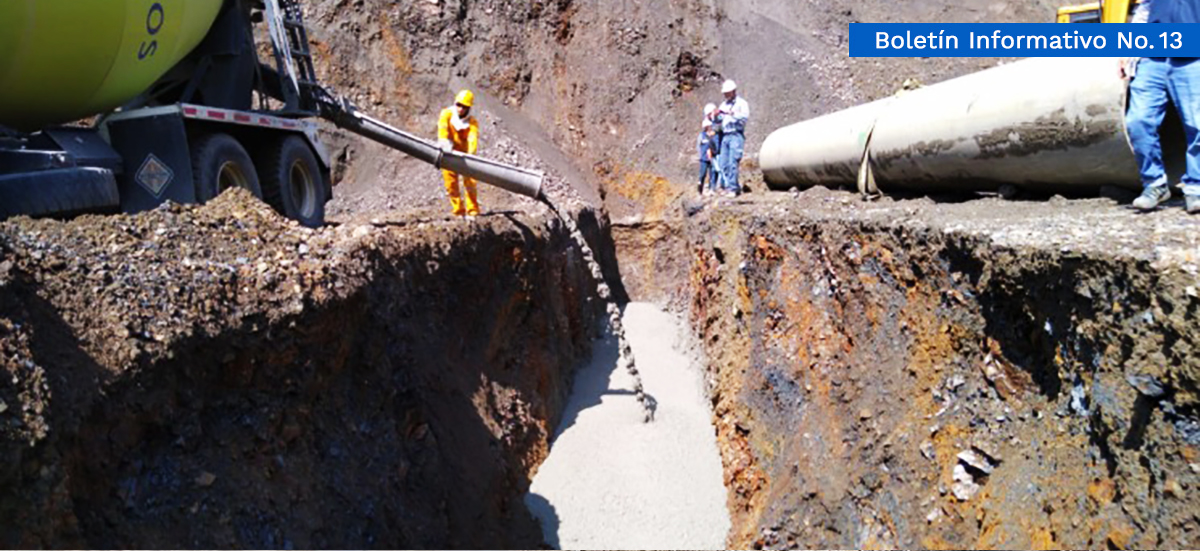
[1108, 11]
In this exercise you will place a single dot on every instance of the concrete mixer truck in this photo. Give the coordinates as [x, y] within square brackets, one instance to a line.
[182, 109]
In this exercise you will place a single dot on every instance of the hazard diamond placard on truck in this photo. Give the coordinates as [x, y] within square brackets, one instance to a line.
[154, 175]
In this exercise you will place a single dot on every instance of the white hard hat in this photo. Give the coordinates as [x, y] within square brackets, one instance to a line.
[728, 87]
[705, 123]
[708, 109]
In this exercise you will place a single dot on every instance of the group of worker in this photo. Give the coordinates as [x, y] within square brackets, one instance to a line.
[721, 146]
[722, 142]
[1155, 80]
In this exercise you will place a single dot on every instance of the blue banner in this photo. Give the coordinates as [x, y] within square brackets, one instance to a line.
[1024, 40]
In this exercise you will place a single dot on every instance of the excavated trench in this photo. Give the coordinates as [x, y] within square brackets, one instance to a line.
[981, 375]
[901, 374]
[219, 378]
[887, 375]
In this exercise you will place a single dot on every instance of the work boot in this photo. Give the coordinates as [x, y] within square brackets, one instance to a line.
[1192, 203]
[1152, 197]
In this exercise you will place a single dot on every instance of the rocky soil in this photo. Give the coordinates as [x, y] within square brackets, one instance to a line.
[975, 375]
[220, 377]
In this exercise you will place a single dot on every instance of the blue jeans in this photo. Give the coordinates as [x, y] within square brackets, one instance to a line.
[708, 173]
[1156, 81]
[731, 156]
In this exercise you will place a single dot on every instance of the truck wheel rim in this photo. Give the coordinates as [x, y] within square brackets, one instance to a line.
[229, 176]
[303, 188]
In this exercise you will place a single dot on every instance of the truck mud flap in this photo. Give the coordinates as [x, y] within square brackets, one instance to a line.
[158, 165]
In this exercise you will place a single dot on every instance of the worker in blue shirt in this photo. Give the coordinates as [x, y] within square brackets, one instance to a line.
[1155, 81]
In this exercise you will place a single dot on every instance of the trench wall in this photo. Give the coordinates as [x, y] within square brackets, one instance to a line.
[397, 394]
[852, 364]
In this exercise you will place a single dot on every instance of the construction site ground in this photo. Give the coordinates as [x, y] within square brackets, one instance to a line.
[612, 481]
[938, 372]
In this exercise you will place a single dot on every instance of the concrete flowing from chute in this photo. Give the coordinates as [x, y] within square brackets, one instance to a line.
[614, 482]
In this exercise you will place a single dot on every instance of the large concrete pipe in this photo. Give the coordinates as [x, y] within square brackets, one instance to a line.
[1049, 124]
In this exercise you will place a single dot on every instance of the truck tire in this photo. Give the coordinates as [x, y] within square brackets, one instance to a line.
[219, 163]
[292, 180]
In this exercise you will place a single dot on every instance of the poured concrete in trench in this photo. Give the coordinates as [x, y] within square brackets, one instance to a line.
[612, 482]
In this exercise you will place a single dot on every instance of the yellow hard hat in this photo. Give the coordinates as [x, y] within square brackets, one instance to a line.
[465, 97]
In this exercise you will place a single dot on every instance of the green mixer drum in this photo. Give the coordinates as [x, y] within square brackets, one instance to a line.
[62, 60]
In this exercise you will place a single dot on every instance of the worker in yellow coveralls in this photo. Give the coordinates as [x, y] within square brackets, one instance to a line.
[459, 131]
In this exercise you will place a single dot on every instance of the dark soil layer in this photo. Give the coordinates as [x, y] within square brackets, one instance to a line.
[218, 377]
[859, 355]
